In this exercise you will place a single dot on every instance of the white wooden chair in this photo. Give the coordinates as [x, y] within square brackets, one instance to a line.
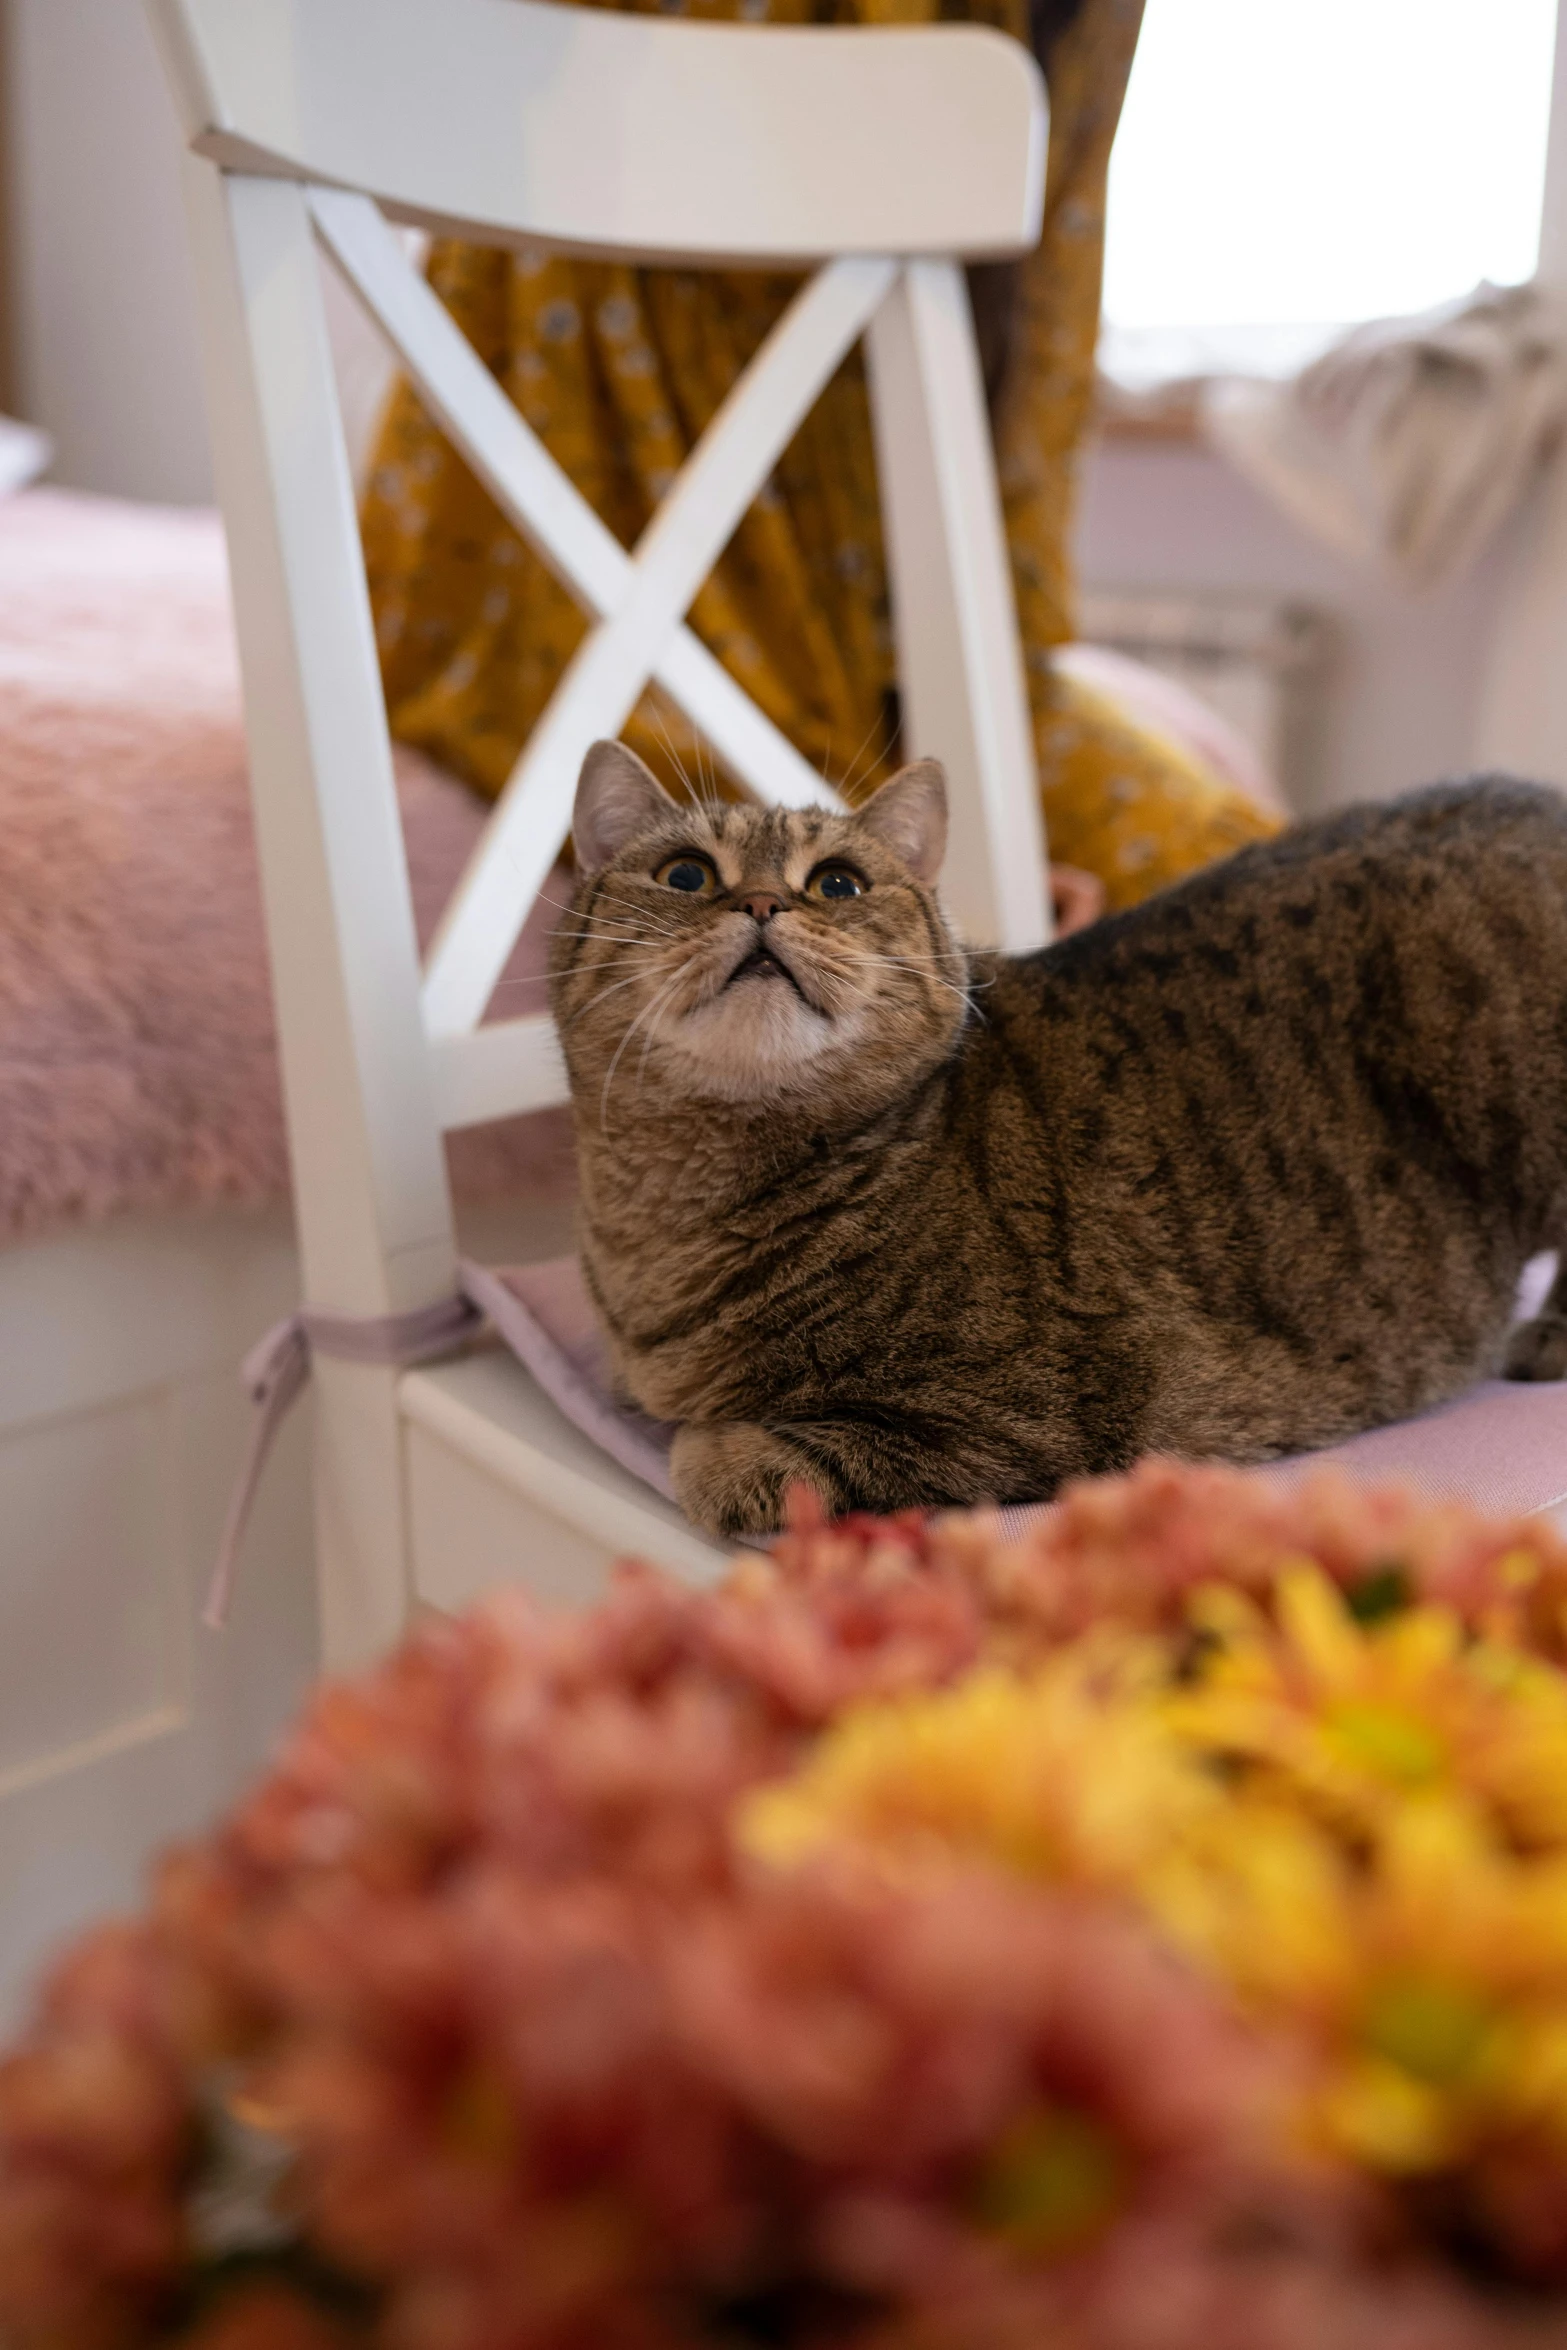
[879, 159]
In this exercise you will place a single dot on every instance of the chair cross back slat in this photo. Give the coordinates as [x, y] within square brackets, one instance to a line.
[605, 678]
[541, 501]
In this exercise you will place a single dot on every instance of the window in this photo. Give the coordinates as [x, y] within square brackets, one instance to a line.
[1287, 167]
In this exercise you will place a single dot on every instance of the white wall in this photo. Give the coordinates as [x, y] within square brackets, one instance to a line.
[105, 341]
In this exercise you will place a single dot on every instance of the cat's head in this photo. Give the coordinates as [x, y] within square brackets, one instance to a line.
[746, 955]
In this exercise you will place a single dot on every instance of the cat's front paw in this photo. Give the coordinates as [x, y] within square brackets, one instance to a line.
[1537, 1349]
[731, 1476]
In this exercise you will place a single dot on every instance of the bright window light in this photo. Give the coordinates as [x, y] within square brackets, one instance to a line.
[1282, 162]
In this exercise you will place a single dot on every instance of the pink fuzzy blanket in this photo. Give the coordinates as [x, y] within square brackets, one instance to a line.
[138, 1065]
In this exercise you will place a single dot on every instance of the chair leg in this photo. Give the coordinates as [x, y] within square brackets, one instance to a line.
[365, 1574]
[963, 693]
[374, 1212]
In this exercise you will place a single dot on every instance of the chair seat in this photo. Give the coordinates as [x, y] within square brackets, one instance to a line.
[501, 1485]
[1501, 1447]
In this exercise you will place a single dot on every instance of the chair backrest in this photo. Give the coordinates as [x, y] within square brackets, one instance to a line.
[623, 135]
[309, 121]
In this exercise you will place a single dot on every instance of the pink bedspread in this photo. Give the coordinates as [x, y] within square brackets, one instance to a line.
[137, 1059]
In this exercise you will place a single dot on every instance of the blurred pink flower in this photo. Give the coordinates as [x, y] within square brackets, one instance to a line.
[96, 2126]
[555, 2068]
[1134, 1548]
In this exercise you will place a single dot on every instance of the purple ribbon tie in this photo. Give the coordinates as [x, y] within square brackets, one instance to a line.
[276, 1369]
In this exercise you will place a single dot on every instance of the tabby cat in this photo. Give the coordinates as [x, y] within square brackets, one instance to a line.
[1234, 1174]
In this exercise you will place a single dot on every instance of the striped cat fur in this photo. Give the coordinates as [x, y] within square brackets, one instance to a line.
[1240, 1172]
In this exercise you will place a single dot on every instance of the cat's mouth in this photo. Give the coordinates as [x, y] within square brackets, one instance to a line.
[764, 965]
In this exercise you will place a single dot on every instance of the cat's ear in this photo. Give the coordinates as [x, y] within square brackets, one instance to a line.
[617, 797]
[909, 816]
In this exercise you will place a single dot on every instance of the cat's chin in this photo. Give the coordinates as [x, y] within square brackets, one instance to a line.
[758, 1041]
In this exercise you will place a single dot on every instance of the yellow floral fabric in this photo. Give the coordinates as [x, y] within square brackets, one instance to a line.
[619, 370]
[1128, 802]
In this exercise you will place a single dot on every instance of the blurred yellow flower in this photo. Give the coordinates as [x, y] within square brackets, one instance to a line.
[1067, 1772]
[1356, 1718]
[1349, 1809]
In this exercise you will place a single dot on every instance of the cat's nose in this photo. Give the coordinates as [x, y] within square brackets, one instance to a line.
[762, 906]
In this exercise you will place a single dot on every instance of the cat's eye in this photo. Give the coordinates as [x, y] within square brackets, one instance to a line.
[836, 881]
[692, 874]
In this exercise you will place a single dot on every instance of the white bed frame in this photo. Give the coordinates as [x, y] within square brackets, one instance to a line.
[119, 1418]
[122, 1723]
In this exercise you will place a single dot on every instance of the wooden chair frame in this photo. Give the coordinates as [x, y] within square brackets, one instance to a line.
[879, 160]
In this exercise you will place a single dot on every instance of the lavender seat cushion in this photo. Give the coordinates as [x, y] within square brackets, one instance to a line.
[1501, 1447]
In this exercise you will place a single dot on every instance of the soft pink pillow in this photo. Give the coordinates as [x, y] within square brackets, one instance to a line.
[1151, 699]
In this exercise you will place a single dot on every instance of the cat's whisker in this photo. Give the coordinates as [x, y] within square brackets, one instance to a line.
[615, 926]
[914, 955]
[707, 801]
[675, 759]
[911, 965]
[965, 995]
[710, 798]
[627, 943]
[570, 906]
[647, 1046]
[635, 918]
[931, 978]
[634, 924]
[641, 914]
[869, 955]
[634, 910]
[636, 978]
[846, 782]
[623, 938]
[652, 1007]
[636, 954]
[648, 959]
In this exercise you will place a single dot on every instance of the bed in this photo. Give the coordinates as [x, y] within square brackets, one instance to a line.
[144, 1232]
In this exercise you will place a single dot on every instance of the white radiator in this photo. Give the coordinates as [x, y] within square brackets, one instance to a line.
[1251, 658]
